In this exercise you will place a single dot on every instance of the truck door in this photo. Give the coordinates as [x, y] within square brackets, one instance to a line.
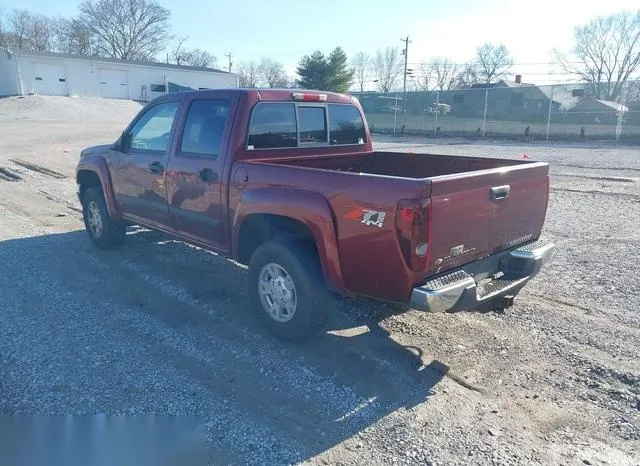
[194, 184]
[138, 174]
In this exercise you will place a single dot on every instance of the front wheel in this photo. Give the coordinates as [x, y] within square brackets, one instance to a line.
[104, 231]
[287, 289]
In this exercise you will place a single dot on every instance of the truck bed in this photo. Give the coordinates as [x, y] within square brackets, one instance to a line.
[478, 207]
[401, 164]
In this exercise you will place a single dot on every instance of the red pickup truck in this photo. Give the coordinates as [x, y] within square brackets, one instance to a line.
[287, 182]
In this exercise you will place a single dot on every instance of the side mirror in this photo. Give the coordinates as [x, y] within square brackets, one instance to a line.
[122, 143]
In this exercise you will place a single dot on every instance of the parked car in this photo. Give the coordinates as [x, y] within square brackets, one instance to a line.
[287, 182]
[393, 109]
[441, 109]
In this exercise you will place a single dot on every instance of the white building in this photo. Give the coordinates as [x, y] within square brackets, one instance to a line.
[70, 75]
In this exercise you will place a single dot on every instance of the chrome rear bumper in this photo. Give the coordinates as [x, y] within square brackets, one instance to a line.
[486, 284]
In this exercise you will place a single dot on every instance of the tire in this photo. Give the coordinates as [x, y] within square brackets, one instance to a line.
[294, 322]
[104, 231]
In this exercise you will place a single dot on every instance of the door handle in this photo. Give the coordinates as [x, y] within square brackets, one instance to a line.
[208, 175]
[499, 193]
[156, 167]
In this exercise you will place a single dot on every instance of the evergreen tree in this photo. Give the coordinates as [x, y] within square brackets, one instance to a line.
[313, 71]
[325, 73]
[340, 75]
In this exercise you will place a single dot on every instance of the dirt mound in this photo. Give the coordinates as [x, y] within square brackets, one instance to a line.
[51, 108]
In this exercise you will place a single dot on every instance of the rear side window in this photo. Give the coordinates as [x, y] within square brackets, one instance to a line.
[346, 123]
[204, 127]
[273, 126]
[313, 124]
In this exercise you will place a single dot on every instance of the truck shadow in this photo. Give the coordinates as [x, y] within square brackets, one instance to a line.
[363, 375]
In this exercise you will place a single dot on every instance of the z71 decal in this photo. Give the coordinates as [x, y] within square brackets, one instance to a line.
[366, 216]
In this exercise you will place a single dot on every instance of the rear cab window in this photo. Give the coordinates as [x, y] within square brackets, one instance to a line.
[312, 122]
[347, 126]
[283, 125]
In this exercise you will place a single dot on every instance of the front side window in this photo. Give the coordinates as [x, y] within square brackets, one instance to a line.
[346, 123]
[204, 127]
[152, 130]
[273, 126]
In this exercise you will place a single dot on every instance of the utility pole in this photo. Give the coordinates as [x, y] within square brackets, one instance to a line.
[228, 55]
[405, 52]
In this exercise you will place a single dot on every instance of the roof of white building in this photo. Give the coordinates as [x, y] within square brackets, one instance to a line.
[114, 60]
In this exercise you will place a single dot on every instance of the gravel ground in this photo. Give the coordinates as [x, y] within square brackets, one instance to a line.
[161, 327]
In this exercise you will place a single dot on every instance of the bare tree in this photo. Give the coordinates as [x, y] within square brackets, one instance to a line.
[41, 33]
[249, 74]
[3, 29]
[606, 53]
[126, 29]
[466, 77]
[492, 62]
[178, 52]
[425, 78]
[28, 31]
[201, 59]
[444, 73]
[19, 23]
[74, 37]
[180, 55]
[266, 73]
[361, 63]
[387, 68]
[272, 73]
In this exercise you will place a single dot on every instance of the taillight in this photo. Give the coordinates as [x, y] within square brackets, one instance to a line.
[546, 207]
[413, 226]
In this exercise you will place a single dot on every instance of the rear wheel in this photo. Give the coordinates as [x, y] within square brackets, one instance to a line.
[287, 289]
[104, 231]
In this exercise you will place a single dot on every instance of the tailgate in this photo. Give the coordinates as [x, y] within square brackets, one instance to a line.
[476, 214]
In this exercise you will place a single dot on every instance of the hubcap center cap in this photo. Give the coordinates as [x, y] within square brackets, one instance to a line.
[279, 290]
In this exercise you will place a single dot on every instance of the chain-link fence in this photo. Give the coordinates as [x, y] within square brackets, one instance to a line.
[508, 111]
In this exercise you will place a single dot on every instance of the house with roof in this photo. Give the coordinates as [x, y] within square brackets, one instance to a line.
[505, 100]
[46, 73]
[511, 100]
[596, 111]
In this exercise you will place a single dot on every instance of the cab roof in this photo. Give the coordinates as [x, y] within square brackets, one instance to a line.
[268, 94]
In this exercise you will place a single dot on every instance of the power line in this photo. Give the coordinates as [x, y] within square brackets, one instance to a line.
[413, 68]
[476, 62]
[549, 78]
[548, 84]
[430, 65]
